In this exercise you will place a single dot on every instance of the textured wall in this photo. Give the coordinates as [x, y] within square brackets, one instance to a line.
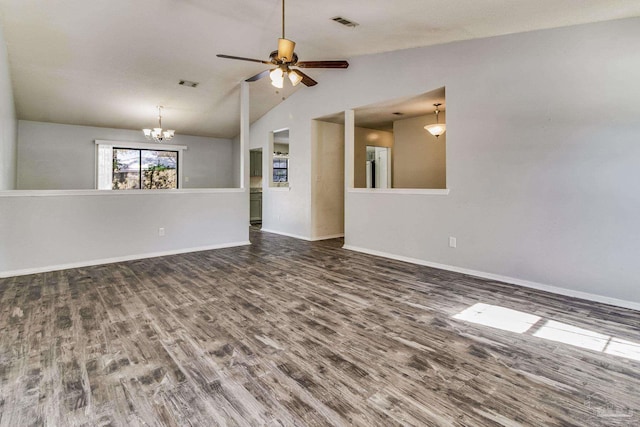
[62, 157]
[542, 149]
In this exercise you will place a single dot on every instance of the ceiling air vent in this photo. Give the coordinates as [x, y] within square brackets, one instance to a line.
[188, 83]
[345, 22]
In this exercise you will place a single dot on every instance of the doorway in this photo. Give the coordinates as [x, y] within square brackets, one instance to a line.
[378, 167]
[255, 186]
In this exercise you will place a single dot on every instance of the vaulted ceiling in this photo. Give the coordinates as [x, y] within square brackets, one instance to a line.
[109, 63]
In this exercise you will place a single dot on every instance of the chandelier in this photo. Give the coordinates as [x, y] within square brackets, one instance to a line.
[157, 134]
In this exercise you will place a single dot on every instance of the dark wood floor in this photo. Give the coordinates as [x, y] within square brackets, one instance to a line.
[286, 332]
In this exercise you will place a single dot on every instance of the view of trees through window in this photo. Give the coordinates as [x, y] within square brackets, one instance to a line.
[144, 169]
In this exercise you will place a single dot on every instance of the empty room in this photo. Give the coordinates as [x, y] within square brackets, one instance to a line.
[364, 213]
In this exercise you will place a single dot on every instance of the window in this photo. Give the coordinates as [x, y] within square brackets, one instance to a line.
[279, 158]
[142, 166]
[144, 169]
[280, 169]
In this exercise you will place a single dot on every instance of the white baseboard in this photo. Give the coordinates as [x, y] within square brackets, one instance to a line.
[297, 236]
[46, 269]
[282, 233]
[511, 280]
[327, 237]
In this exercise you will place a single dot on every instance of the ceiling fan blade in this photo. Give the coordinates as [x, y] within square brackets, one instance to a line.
[306, 80]
[323, 64]
[243, 59]
[258, 76]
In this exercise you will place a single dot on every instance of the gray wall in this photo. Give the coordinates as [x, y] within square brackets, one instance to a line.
[56, 156]
[542, 157]
[46, 230]
[235, 164]
[8, 123]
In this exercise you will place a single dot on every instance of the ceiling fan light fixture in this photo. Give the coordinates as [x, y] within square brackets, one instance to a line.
[295, 77]
[284, 58]
[436, 129]
[276, 74]
[277, 77]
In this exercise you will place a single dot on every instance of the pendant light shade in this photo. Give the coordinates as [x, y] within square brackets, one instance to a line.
[436, 129]
[295, 77]
[277, 77]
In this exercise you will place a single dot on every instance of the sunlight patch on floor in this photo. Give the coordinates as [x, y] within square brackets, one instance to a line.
[520, 322]
[498, 317]
[583, 338]
[628, 349]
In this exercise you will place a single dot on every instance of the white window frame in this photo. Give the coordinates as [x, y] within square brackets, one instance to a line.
[104, 159]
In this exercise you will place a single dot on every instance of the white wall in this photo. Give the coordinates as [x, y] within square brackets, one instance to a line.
[419, 159]
[57, 156]
[542, 157]
[8, 123]
[286, 210]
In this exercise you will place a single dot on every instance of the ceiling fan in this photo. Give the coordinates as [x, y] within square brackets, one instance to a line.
[284, 59]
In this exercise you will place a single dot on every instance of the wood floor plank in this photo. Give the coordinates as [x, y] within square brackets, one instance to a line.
[292, 333]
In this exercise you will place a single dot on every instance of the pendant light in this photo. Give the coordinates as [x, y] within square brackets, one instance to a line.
[436, 129]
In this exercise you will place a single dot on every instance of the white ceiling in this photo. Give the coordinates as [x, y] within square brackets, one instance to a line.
[110, 62]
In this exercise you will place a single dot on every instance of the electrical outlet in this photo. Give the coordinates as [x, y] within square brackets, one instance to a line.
[186, 179]
[452, 242]
[161, 231]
